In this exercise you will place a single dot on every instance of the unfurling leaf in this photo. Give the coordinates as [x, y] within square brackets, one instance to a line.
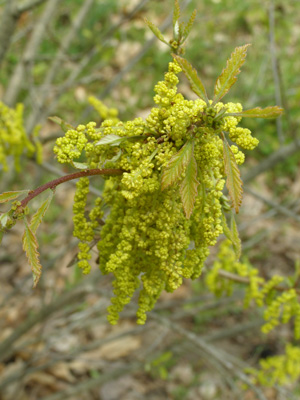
[233, 181]
[189, 25]
[176, 14]
[8, 196]
[257, 112]
[3, 220]
[30, 246]
[232, 234]
[156, 31]
[191, 74]
[176, 166]
[236, 241]
[188, 187]
[39, 215]
[228, 75]
[65, 126]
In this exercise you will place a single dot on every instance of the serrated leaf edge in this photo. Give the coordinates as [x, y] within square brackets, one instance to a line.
[193, 78]
[39, 215]
[185, 151]
[233, 180]
[230, 73]
[188, 204]
[30, 246]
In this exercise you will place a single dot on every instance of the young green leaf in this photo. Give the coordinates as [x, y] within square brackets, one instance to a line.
[65, 126]
[156, 31]
[39, 215]
[188, 187]
[8, 196]
[257, 112]
[189, 25]
[228, 75]
[233, 181]
[112, 140]
[79, 165]
[232, 234]
[176, 166]
[191, 74]
[176, 16]
[3, 220]
[176, 12]
[113, 159]
[115, 140]
[236, 241]
[225, 227]
[30, 246]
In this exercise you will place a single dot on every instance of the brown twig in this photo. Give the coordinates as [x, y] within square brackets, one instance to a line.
[242, 279]
[52, 184]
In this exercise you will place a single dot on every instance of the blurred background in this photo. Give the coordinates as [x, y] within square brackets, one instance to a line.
[55, 342]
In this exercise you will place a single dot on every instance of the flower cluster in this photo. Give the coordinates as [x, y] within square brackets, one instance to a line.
[279, 307]
[147, 240]
[281, 369]
[13, 139]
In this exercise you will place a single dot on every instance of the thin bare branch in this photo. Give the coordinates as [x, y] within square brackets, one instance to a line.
[17, 79]
[275, 158]
[280, 208]
[134, 60]
[211, 353]
[7, 346]
[275, 69]
[29, 5]
[43, 92]
[8, 25]
[80, 66]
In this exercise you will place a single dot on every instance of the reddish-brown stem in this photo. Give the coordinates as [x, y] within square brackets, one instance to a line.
[52, 184]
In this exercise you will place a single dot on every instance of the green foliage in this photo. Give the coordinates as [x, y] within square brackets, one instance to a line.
[30, 246]
[196, 84]
[39, 215]
[280, 303]
[159, 367]
[228, 75]
[282, 369]
[233, 181]
[13, 138]
[8, 196]
[188, 187]
[180, 30]
[177, 165]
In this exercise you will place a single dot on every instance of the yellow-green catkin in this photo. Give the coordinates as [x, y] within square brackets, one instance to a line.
[103, 111]
[13, 138]
[280, 369]
[147, 242]
[280, 306]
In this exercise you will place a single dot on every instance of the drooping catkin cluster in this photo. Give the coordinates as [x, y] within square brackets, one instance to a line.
[280, 303]
[147, 241]
[13, 138]
[280, 306]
